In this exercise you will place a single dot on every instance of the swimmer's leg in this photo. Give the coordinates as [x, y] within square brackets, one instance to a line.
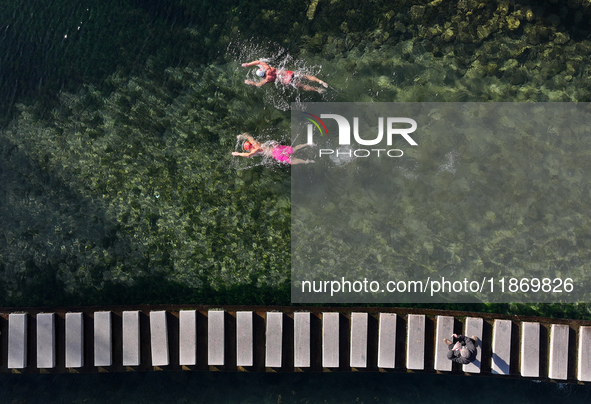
[301, 146]
[316, 79]
[306, 87]
[295, 160]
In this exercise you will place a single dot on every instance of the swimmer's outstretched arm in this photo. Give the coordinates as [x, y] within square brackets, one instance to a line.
[256, 62]
[235, 153]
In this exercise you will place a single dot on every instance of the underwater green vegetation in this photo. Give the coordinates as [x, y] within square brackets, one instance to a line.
[118, 121]
[138, 186]
[492, 190]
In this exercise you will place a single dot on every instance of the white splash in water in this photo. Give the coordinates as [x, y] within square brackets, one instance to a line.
[344, 156]
[450, 164]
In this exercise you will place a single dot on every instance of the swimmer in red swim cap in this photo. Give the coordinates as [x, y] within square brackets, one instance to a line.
[271, 149]
[270, 74]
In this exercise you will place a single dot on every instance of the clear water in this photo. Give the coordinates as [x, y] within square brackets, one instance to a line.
[117, 183]
[490, 192]
[125, 117]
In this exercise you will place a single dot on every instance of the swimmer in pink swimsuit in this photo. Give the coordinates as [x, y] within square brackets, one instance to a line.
[282, 153]
[270, 74]
[278, 152]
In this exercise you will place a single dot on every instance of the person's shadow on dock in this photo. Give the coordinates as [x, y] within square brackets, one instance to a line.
[500, 364]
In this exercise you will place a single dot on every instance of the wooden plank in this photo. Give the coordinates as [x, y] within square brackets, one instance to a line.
[17, 341]
[474, 327]
[415, 342]
[45, 340]
[501, 348]
[187, 337]
[131, 338]
[274, 339]
[359, 324]
[330, 340]
[445, 329]
[215, 338]
[74, 340]
[558, 367]
[584, 361]
[387, 341]
[530, 349]
[103, 339]
[244, 338]
[301, 340]
[159, 338]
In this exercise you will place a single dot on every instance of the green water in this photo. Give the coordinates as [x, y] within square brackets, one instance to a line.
[492, 190]
[116, 172]
[118, 120]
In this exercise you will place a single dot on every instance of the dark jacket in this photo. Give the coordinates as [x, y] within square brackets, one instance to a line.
[456, 356]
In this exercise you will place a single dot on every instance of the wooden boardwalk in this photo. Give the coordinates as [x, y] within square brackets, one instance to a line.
[288, 339]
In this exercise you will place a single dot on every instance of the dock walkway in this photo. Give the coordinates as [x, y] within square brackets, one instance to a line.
[289, 339]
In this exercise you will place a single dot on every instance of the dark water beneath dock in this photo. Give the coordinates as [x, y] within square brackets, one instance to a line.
[330, 388]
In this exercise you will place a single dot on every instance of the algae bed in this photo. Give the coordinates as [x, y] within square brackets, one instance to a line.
[118, 121]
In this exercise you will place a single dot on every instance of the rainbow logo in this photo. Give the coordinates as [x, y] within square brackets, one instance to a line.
[316, 123]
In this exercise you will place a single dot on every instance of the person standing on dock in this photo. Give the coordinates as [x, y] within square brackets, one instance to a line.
[461, 349]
